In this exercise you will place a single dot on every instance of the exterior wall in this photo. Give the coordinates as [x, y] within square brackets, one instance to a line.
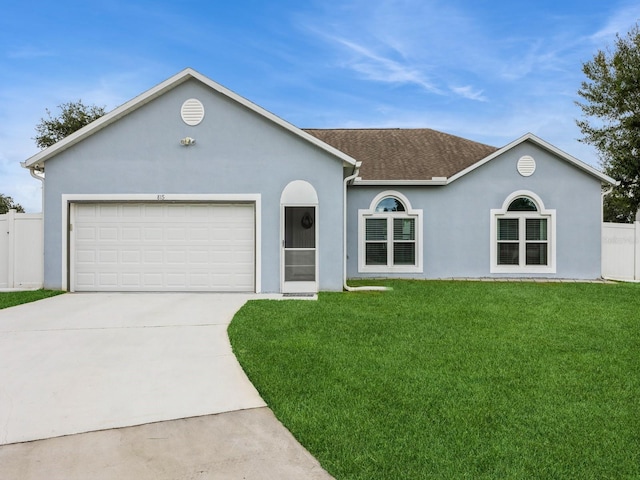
[456, 217]
[236, 152]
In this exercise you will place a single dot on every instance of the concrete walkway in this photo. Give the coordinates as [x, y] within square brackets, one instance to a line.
[85, 362]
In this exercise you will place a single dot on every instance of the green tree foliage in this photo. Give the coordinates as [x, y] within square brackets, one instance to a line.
[611, 120]
[7, 203]
[73, 116]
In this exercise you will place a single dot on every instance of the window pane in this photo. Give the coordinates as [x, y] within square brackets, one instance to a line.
[299, 265]
[403, 229]
[404, 253]
[536, 228]
[376, 254]
[390, 204]
[299, 227]
[536, 254]
[376, 229]
[522, 204]
[508, 229]
[508, 254]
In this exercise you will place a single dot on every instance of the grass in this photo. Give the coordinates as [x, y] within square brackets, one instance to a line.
[454, 379]
[11, 299]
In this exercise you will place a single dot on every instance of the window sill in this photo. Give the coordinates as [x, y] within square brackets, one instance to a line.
[387, 269]
[519, 269]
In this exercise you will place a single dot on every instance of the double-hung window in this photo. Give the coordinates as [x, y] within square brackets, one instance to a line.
[523, 236]
[390, 236]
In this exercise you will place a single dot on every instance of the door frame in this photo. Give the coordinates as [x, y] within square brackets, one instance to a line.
[299, 193]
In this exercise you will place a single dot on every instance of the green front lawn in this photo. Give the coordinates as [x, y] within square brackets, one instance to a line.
[11, 299]
[454, 379]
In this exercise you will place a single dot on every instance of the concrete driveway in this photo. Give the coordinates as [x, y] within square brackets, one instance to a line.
[87, 362]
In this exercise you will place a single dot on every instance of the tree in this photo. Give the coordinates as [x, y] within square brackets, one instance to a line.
[73, 116]
[611, 120]
[7, 203]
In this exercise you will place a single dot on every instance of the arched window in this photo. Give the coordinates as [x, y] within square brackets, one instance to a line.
[390, 204]
[522, 204]
[523, 236]
[390, 235]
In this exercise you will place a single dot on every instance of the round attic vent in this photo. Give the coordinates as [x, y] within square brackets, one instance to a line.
[192, 112]
[526, 166]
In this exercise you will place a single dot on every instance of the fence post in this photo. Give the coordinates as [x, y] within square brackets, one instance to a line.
[11, 251]
[636, 250]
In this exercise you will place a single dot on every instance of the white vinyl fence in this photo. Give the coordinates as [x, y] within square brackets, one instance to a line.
[621, 251]
[21, 250]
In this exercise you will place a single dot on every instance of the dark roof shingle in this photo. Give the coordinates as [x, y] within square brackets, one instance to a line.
[405, 154]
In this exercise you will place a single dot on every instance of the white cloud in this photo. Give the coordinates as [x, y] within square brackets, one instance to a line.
[375, 66]
[619, 22]
[469, 92]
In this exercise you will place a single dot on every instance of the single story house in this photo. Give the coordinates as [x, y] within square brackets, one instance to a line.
[190, 187]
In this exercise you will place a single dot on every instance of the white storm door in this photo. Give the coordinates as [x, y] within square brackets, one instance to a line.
[299, 254]
[163, 247]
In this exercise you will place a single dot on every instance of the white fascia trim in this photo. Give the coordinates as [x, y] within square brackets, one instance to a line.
[359, 181]
[174, 81]
[68, 199]
[545, 145]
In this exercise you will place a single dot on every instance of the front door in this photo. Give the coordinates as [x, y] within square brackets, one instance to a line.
[299, 250]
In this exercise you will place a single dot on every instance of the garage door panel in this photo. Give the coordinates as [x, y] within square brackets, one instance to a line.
[108, 256]
[156, 247]
[131, 280]
[85, 279]
[153, 234]
[108, 279]
[85, 256]
[131, 257]
[131, 233]
[85, 233]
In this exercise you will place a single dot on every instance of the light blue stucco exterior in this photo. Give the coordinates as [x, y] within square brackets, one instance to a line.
[456, 217]
[237, 151]
[242, 150]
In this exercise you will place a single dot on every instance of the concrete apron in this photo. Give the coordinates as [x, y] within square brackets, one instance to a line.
[247, 444]
[84, 362]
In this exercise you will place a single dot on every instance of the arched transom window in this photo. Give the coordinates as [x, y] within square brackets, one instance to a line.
[390, 235]
[523, 236]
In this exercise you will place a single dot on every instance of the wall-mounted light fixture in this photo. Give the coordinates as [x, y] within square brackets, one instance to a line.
[187, 141]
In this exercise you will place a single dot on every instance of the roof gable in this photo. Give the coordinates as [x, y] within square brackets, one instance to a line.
[425, 156]
[530, 137]
[38, 159]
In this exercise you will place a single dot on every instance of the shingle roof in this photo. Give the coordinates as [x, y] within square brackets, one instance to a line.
[405, 154]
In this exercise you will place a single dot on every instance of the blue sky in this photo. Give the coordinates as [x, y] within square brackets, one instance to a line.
[489, 71]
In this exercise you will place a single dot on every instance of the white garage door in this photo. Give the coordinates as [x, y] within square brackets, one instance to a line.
[163, 247]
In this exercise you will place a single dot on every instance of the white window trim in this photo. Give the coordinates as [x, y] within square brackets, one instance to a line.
[364, 214]
[549, 214]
